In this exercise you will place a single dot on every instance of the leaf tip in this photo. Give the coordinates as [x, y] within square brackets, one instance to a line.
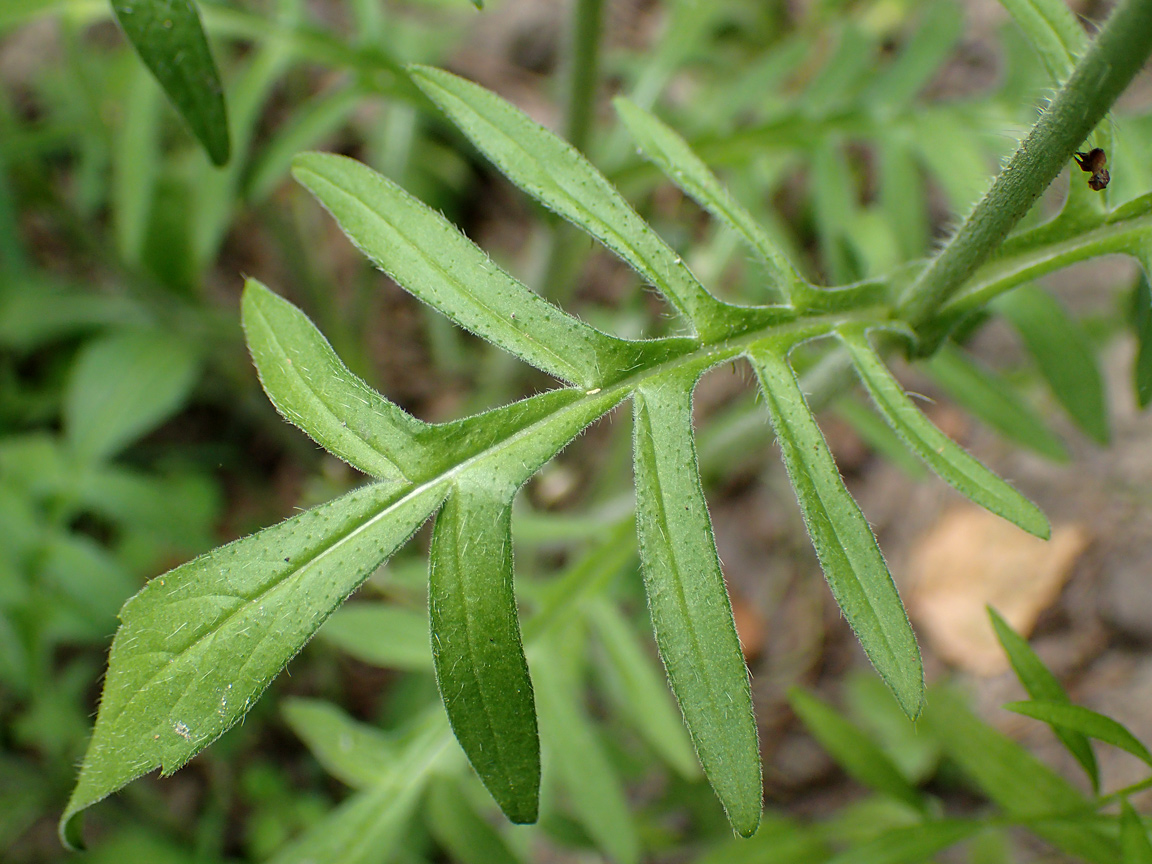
[71, 830]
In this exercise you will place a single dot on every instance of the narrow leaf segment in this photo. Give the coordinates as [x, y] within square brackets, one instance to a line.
[955, 466]
[691, 614]
[855, 569]
[479, 657]
[559, 177]
[313, 389]
[1042, 684]
[675, 158]
[169, 38]
[429, 257]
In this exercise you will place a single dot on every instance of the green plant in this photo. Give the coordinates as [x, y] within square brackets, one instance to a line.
[287, 579]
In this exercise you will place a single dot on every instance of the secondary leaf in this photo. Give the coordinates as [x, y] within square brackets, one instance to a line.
[381, 634]
[476, 646]
[1142, 325]
[559, 177]
[1063, 353]
[675, 158]
[956, 467]
[123, 386]
[1041, 684]
[992, 400]
[313, 389]
[585, 770]
[1084, 721]
[170, 40]
[198, 645]
[1015, 780]
[355, 753]
[854, 751]
[1134, 845]
[430, 258]
[855, 569]
[691, 615]
[642, 690]
[912, 844]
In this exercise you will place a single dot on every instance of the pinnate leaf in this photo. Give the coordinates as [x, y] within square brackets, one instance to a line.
[855, 569]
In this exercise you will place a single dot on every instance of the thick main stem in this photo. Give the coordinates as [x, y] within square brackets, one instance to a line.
[1112, 60]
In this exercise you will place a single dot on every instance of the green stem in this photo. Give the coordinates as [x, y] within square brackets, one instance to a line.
[1112, 60]
[583, 70]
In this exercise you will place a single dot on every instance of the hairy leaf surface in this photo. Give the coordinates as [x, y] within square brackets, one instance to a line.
[198, 645]
[955, 466]
[691, 614]
[855, 569]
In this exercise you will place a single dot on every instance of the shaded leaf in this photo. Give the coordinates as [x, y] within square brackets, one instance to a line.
[1042, 685]
[123, 386]
[853, 751]
[955, 466]
[371, 825]
[1134, 845]
[1062, 352]
[911, 844]
[992, 400]
[584, 769]
[1142, 325]
[170, 40]
[381, 634]
[855, 569]
[355, 753]
[1053, 32]
[476, 646]
[1015, 780]
[464, 833]
[642, 690]
[687, 599]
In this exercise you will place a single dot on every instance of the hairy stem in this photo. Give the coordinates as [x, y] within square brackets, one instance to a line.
[1112, 60]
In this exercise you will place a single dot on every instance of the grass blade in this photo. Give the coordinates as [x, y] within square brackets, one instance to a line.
[855, 569]
[953, 465]
[691, 614]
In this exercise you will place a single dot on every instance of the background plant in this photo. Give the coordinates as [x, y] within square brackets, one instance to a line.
[609, 831]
